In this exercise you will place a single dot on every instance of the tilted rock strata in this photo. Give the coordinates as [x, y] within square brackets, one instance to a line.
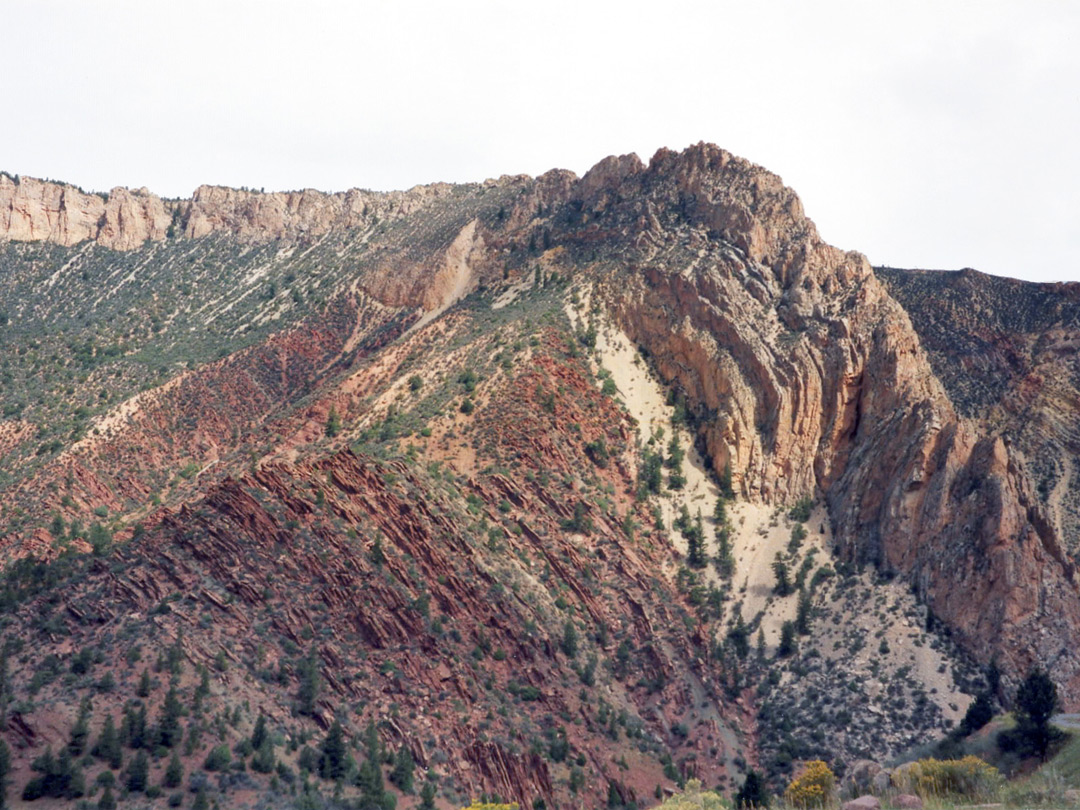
[805, 374]
[808, 376]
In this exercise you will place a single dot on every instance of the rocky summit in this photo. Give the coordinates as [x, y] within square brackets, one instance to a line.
[559, 490]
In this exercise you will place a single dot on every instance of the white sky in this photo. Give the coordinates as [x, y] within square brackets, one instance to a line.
[925, 134]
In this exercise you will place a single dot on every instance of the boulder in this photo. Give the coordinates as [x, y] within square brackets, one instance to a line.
[863, 803]
[860, 777]
[907, 801]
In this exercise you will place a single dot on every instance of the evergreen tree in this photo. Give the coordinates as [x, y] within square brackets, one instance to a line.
[107, 747]
[720, 512]
[80, 732]
[371, 743]
[138, 773]
[783, 579]
[979, 713]
[107, 800]
[137, 734]
[175, 655]
[739, 636]
[5, 770]
[787, 640]
[369, 778]
[725, 560]
[427, 796]
[1036, 702]
[675, 453]
[60, 778]
[201, 802]
[174, 773]
[201, 691]
[753, 792]
[310, 681]
[726, 490]
[5, 687]
[402, 774]
[259, 733]
[332, 761]
[169, 732]
[695, 543]
[802, 615]
[569, 638]
[143, 689]
[333, 423]
[264, 760]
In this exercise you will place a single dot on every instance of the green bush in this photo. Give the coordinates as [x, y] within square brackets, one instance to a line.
[218, 759]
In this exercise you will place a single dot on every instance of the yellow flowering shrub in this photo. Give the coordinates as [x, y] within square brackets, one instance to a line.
[479, 805]
[812, 787]
[969, 777]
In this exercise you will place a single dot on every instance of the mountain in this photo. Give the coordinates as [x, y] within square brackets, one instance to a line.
[570, 487]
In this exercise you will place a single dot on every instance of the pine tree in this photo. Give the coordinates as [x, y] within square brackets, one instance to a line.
[5, 769]
[259, 733]
[175, 655]
[138, 773]
[107, 747]
[133, 726]
[725, 561]
[802, 615]
[333, 423]
[720, 512]
[1036, 702]
[569, 638]
[310, 681]
[753, 793]
[739, 636]
[264, 760]
[107, 800]
[143, 689]
[427, 796]
[783, 579]
[5, 688]
[174, 773]
[787, 640]
[695, 543]
[726, 490]
[169, 732]
[332, 762]
[402, 774]
[80, 732]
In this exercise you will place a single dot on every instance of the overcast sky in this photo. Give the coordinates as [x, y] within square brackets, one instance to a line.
[924, 134]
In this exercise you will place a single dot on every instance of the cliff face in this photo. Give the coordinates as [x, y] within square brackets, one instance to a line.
[808, 376]
[33, 210]
[36, 210]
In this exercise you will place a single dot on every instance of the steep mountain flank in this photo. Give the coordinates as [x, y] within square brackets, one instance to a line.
[372, 438]
[807, 376]
[1007, 351]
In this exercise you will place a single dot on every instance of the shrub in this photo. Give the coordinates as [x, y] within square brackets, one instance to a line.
[218, 759]
[813, 787]
[969, 777]
[800, 512]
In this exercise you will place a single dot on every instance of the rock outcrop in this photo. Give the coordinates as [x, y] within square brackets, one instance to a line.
[35, 210]
[807, 376]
